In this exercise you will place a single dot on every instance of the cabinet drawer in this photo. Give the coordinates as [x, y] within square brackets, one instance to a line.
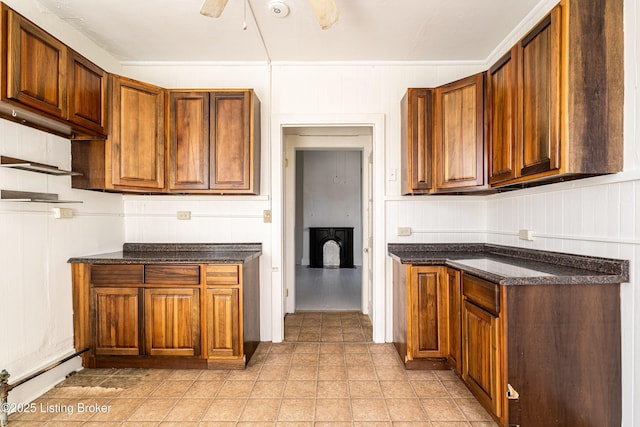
[482, 293]
[172, 274]
[117, 274]
[223, 274]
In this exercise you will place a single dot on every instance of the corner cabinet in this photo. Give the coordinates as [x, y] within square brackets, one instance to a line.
[459, 135]
[214, 142]
[442, 138]
[42, 75]
[135, 147]
[201, 316]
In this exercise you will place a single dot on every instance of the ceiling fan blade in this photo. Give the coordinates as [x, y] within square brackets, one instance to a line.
[213, 8]
[326, 12]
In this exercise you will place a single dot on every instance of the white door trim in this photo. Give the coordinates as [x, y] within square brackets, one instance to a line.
[379, 314]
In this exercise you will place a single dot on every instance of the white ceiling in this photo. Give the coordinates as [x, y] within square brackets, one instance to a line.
[367, 30]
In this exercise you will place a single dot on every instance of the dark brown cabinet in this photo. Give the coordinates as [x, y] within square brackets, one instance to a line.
[454, 311]
[459, 135]
[547, 98]
[482, 351]
[167, 315]
[135, 147]
[115, 325]
[45, 77]
[214, 142]
[442, 138]
[87, 94]
[172, 322]
[417, 141]
[36, 66]
[502, 89]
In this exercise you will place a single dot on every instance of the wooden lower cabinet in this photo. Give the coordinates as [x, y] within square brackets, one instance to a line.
[481, 351]
[172, 322]
[166, 315]
[115, 323]
[223, 322]
[454, 311]
[421, 315]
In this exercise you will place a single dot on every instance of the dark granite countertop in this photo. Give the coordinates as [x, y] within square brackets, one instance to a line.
[508, 265]
[176, 253]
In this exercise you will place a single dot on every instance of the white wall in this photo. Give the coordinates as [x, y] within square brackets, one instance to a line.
[35, 284]
[332, 197]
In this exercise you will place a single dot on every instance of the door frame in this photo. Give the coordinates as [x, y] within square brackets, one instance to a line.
[333, 139]
[381, 318]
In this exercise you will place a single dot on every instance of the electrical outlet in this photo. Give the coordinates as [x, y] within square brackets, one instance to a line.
[185, 215]
[525, 234]
[266, 216]
[60, 213]
[404, 231]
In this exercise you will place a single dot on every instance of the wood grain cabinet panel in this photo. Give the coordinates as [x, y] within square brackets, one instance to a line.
[189, 140]
[502, 92]
[87, 93]
[428, 313]
[454, 311]
[135, 146]
[223, 322]
[214, 142]
[539, 97]
[459, 134]
[36, 67]
[481, 358]
[417, 141]
[172, 322]
[115, 324]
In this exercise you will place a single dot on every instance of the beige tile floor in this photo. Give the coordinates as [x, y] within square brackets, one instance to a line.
[324, 374]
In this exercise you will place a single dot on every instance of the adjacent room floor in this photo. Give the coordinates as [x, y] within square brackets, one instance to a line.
[322, 289]
[334, 378]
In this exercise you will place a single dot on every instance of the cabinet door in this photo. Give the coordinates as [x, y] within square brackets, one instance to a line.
[428, 315]
[232, 155]
[454, 285]
[36, 67]
[417, 141]
[172, 322]
[116, 314]
[87, 90]
[502, 89]
[481, 355]
[539, 97]
[459, 134]
[188, 140]
[136, 137]
[223, 322]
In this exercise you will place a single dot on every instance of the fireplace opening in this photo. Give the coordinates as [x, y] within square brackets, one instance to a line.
[331, 247]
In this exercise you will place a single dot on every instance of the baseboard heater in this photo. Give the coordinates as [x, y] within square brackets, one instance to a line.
[5, 387]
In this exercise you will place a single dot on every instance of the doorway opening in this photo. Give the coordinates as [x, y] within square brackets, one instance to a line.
[328, 199]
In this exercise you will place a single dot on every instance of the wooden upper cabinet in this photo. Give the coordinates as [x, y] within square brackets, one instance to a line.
[459, 134]
[188, 140]
[417, 141]
[539, 97]
[235, 140]
[501, 117]
[87, 93]
[214, 142]
[36, 67]
[135, 147]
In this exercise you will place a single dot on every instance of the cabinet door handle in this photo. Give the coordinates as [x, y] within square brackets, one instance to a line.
[512, 394]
